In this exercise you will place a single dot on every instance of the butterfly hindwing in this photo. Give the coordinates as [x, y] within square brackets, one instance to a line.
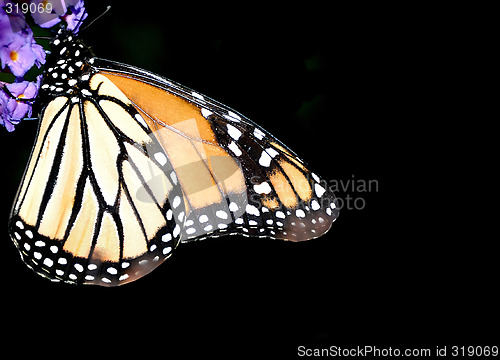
[89, 209]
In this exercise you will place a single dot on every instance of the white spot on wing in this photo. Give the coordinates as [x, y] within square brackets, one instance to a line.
[252, 210]
[234, 115]
[206, 113]
[263, 188]
[161, 158]
[167, 250]
[221, 214]
[198, 96]
[319, 190]
[177, 230]
[173, 176]
[300, 213]
[233, 207]
[166, 237]
[78, 267]
[48, 262]
[140, 120]
[272, 152]
[233, 132]
[258, 134]
[280, 214]
[265, 159]
[234, 148]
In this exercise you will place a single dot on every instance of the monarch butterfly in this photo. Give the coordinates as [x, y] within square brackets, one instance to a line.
[127, 164]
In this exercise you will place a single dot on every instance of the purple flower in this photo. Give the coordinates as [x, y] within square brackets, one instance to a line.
[10, 24]
[18, 55]
[5, 121]
[39, 54]
[73, 17]
[12, 110]
[36, 48]
[6, 33]
[45, 19]
[78, 14]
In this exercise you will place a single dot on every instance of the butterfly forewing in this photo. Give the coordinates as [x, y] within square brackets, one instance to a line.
[236, 177]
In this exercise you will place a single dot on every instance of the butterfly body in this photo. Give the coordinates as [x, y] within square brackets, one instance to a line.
[128, 164]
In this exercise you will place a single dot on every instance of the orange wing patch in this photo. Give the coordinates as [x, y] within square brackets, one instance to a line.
[205, 170]
[297, 178]
[289, 156]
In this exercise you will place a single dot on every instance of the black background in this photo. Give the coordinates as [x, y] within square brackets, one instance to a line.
[357, 92]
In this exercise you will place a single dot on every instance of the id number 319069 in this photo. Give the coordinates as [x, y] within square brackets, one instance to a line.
[474, 350]
[25, 8]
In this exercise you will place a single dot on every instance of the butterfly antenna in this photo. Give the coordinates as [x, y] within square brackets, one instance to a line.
[97, 18]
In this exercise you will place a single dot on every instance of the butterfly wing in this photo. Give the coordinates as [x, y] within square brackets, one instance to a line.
[235, 176]
[86, 210]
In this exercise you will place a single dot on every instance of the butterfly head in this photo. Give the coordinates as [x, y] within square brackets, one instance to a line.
[68, 48]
